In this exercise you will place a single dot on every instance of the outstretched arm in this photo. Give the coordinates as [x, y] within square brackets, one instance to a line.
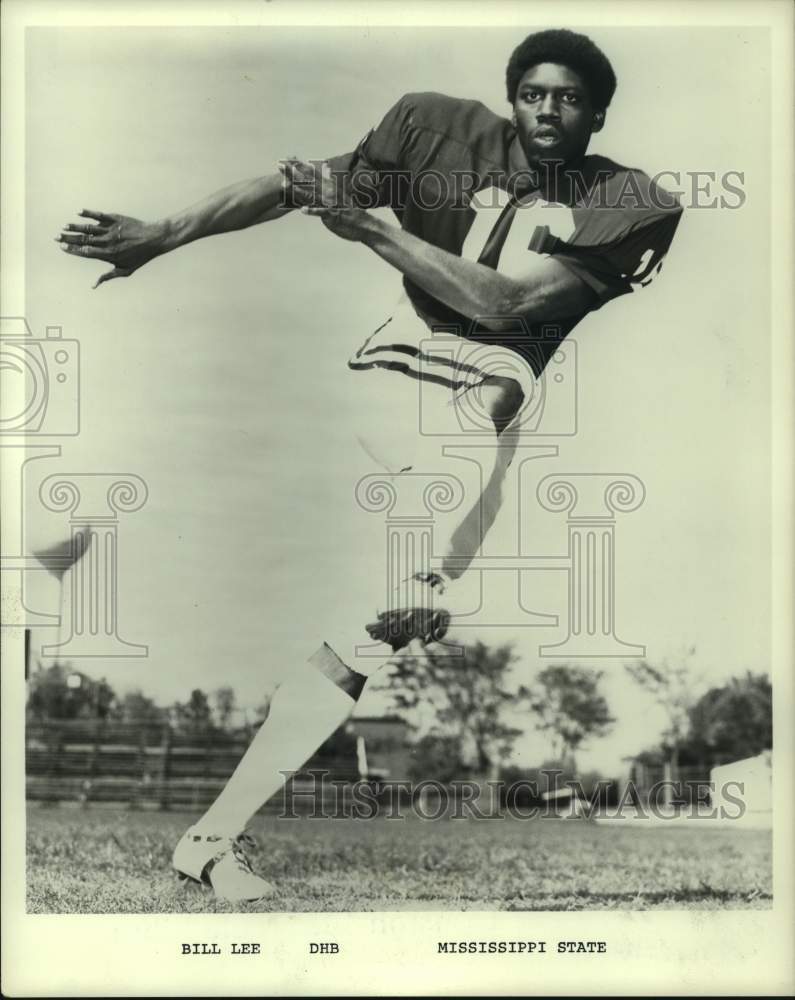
[545, 291]
[129, 243]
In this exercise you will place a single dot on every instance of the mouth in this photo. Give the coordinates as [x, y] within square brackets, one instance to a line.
[546, 135]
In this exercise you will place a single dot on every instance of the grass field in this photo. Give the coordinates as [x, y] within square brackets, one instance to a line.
[115, 861]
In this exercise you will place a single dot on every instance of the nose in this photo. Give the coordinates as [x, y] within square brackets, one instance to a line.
[549, 109]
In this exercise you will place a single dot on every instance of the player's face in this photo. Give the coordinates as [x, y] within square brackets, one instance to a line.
[553, 114]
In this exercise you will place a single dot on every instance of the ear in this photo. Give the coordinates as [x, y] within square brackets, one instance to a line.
[513, 119]
[598, 121]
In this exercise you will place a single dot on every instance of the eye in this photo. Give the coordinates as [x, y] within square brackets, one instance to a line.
[530, 95]
[571, 98]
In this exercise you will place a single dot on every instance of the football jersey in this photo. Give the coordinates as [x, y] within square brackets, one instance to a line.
[455, 175]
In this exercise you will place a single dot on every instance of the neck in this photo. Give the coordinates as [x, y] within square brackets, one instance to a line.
[553, 180]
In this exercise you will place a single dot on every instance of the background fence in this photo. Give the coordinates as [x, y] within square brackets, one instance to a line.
[146, 766]
[155, 765]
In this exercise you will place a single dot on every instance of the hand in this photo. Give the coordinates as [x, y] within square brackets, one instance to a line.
[347, 223]
[321, 195]
[306, 185]
[120, 240]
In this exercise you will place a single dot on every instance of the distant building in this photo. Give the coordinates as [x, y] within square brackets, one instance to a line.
[383, 745]
[743, 790]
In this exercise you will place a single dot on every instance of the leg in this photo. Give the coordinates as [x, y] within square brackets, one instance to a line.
[502, 399]
[306, 709]
[314, 701]
[422, 609]
[317, 697]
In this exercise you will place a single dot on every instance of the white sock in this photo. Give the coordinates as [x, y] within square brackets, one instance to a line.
[306, 709]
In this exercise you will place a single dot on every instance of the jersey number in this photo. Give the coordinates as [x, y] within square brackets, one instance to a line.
[488, 206]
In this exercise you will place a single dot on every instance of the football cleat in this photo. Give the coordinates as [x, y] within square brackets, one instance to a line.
[400, 626]
[220, 862]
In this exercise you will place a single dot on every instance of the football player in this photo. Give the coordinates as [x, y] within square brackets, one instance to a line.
[507, 235]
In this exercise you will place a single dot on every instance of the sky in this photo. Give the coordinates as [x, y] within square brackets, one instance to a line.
[217, 373]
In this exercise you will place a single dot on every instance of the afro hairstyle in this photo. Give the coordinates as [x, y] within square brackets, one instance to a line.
[566, 48]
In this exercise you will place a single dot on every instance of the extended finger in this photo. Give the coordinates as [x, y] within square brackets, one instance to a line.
[102, 217]
[117, 272]
[76, 227]
[318, 210]
[79, 238]
[86, 250]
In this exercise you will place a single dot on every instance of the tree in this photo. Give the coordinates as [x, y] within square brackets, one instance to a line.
[225, 707]
[465, 696]
[136, 707]
[673, 687]
[734, 721]
[102, 696]
[569, 707]
[49, 696]
[62, 693]
[194, 716]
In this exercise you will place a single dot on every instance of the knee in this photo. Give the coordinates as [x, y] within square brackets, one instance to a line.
[503, 399]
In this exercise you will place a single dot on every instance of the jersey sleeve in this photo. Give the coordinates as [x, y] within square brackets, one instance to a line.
[375, 170]
[625, 262]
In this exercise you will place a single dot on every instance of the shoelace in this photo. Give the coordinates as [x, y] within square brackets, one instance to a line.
[239, 845]
[433, 580]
